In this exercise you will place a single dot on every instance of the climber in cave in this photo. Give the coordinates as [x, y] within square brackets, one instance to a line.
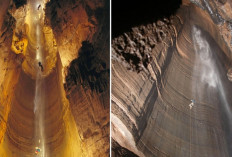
[39, 6]
[191, 104]
[37, 150]
[41, 66]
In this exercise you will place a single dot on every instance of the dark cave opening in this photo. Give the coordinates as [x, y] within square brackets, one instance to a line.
[19, 3]
[134, 13]
[88, 70]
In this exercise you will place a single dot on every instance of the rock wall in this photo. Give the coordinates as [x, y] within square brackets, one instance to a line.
[9, 63]
[118, 151]
[81, 37]
[151, 97]
[81, 30]
[87, 88]
[76, 21]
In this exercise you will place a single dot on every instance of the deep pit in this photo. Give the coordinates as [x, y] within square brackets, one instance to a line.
[45, 109]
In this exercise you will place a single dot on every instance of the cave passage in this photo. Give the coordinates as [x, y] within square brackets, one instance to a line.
[40, 122]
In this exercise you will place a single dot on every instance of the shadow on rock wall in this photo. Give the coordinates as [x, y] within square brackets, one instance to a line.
[89, 70]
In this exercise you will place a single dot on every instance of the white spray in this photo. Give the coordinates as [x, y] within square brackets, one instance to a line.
[36, 17]
[205, 64]
[206, 76]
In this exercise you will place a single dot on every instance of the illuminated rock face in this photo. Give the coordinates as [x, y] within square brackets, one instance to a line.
[76, 114]
[151, 111]
[87, 90]
[87, 80]
[70, 30]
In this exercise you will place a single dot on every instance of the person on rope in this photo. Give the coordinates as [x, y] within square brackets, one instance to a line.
[41, 66]
[39, 6]
[37, 150]
[191, 104]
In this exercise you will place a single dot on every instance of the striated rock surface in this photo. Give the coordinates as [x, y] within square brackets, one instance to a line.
[134, 49]
[83, 45]
[87, 87]
[9, 63]
[87, 81]
[152, 109]
[119, 151]
[75, 40]
[75, 21]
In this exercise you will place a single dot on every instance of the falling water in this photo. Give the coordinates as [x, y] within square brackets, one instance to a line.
[39, 99]
[207, 72]
[36, 15]
[39, 115]
[205, 64]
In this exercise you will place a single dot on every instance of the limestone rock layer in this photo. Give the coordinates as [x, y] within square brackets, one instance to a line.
[49, 101]
[178, 102]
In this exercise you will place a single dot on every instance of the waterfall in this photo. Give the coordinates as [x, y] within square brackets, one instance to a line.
[35, 18]
[205, 66]
[39, 102]
[207, 84]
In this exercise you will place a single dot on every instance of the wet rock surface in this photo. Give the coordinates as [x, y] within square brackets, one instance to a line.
[81, 31]
[153, 103]
[220, 13]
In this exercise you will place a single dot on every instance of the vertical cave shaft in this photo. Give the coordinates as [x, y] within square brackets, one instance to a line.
[39, 115]
[180, 104]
